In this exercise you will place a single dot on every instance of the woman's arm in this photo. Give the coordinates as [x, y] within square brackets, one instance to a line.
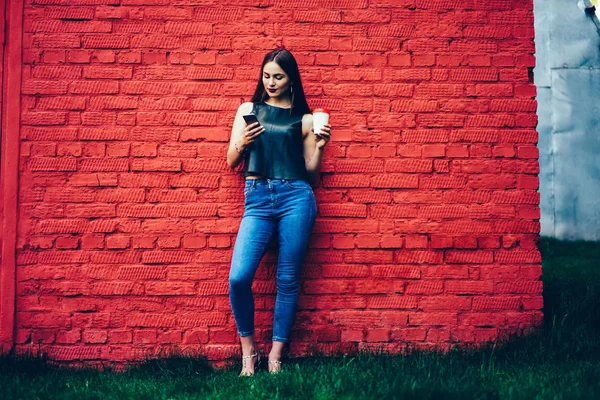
[241, 135]
[313, 147]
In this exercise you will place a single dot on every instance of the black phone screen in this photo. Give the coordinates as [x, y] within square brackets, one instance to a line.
[250, 118]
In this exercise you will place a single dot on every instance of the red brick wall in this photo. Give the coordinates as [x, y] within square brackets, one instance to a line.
[428, 210]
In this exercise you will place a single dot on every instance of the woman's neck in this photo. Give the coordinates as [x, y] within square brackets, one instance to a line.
[283, 103]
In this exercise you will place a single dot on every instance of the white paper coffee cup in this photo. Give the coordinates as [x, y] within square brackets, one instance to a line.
[320, 118]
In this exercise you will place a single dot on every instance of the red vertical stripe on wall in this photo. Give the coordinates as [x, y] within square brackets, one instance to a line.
[9, 167]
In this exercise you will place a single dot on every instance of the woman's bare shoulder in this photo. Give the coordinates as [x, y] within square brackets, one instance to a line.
[245, 108]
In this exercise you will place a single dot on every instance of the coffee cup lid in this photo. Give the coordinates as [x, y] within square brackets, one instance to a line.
[323, 110]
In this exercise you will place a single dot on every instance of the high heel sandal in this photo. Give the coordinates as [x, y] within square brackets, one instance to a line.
[276, 370]
[256, 364]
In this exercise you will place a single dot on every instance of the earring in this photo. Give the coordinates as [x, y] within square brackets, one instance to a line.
[291, 89]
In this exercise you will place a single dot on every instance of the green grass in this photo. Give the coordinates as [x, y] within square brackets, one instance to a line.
[561, 362]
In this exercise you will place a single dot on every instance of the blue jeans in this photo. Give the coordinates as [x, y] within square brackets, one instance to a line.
[284, 206]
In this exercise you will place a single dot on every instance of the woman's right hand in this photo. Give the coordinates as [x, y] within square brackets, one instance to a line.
[249, 135]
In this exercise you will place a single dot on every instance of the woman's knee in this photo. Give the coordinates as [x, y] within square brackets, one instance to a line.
[287, 284]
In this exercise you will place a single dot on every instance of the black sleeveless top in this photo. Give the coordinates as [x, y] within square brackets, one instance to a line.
[278, 153]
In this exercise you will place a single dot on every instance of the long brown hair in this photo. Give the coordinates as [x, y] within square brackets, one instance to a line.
[288, 64]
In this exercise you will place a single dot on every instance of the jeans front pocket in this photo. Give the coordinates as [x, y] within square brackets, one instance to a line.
[298, 184]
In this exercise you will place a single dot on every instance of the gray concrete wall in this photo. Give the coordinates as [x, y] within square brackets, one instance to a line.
[567, 76]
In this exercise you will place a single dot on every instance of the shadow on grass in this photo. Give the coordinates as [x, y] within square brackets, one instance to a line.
[25, 363]
[170, 363]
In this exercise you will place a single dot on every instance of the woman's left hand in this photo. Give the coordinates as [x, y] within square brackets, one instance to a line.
[324, 136]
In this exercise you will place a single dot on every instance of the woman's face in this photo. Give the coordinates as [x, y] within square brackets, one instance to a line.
[276, 81]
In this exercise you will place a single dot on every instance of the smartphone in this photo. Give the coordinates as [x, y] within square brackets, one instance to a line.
[250, 119]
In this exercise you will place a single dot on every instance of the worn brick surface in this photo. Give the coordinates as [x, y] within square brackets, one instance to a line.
[428, 204]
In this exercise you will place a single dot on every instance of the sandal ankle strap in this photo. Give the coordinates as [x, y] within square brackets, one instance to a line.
[251, 356]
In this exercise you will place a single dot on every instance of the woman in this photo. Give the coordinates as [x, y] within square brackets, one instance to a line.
[282, 154]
